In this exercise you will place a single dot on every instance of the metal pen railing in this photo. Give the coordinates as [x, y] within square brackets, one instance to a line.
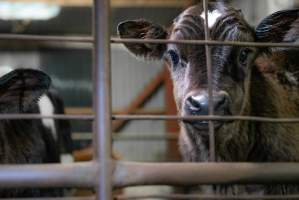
[103, 173]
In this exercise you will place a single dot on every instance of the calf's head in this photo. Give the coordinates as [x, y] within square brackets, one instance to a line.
[21, 89]
[232, 66]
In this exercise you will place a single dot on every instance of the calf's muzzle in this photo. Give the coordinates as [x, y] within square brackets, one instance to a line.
[198, 103]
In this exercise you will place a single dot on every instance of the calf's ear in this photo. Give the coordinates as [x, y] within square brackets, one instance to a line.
[276, 27]
[142, 29]
[21, 89]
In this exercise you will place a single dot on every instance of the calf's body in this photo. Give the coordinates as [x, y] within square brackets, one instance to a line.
[25, 141]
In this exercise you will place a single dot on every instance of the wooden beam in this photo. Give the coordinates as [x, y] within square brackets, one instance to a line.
[86, 154]
[139, 101]
[147, 92]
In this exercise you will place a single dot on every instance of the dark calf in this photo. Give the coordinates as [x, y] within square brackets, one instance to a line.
[51, 103]
[25, 141]
[246, 81]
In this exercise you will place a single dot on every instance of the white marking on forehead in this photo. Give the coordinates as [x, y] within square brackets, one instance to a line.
[212, 17]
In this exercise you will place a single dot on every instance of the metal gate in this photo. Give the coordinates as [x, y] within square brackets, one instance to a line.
[103, 173]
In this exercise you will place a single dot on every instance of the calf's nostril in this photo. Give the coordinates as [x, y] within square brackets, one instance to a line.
[197, 105]
[193, 104]
[220, 102]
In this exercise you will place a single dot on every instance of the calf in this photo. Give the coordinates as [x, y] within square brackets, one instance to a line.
[50, 103]
[25, 141]
[246, 81]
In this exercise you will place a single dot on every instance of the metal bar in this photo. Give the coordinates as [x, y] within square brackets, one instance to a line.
[211, 197]
[145, 137]
[205, 118]
[149, 137]
[102, 97]
[57, 198]
[39, 116]
[43, 38]
[187, 174]
[208, 197]
[212, 151]
[50, 175]
[89, 111]
[88, 39]
[133, 174]
[204, 42]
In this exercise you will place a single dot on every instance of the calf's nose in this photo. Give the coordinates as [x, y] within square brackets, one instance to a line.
[199, 104]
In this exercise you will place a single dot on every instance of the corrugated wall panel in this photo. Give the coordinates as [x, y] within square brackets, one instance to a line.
[129, 76]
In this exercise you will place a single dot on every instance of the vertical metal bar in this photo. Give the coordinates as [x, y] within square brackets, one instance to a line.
[210, 84]
[102, 97]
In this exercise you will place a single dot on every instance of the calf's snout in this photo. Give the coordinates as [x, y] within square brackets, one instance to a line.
[198, 104]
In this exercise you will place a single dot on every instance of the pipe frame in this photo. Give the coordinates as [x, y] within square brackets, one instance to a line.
[103, 173]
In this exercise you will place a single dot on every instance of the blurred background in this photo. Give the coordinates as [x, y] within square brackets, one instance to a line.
[138, 87]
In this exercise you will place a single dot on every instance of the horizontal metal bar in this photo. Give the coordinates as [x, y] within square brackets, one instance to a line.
[117, 137]
[89, 39]
[61, 198]
[205, 118]
[203, 42]
[133, 174]
[144, 137]
[207, 197]
[152, 117]
[50, 175]
[39, 116]
[187, 174]
[23, 37]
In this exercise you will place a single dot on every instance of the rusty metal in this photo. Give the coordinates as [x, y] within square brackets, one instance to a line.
[206, 118]
[208, 197]
[203, 42]
[43, 38]
[102, 98]
[48, 175]
[39, 116]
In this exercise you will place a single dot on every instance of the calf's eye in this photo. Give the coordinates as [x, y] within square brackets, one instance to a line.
[243, 56]
[174, 57]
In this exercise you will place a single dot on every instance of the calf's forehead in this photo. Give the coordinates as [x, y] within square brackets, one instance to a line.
[224, 23]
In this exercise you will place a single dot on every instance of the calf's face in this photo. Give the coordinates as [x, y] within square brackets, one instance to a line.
[231, 66]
